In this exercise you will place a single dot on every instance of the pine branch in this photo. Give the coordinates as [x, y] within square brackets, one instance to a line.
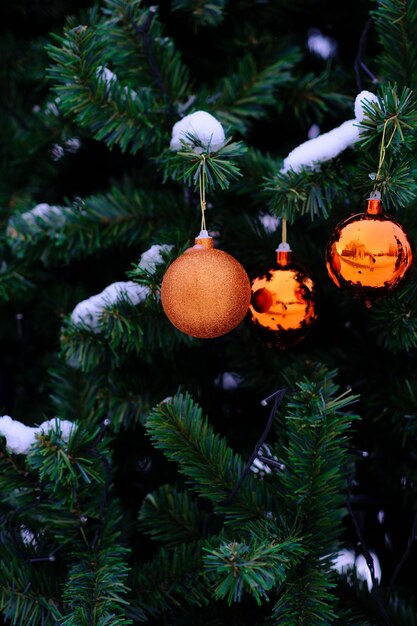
[125, 216]
[171, 516]
[73, 394]
[395, 182]
[85, 350]
[27, 594]
[173, 578]
[255, 567]
[314, 458]
[138, 329]
[202, 12]
[256, 166]
[250, 91]
[143, 54]
[147, 42]
[126, 399]
[395, 323]
[397, 111]
[13, 283]
[313, 98]
[396, 24]
[179, 430]
[186, 164]
[95, 588]
[306, 598]
[114, 113]
[293, 194]
[67, 467]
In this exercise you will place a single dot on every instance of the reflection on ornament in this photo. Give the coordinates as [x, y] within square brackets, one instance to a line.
[369, 254]
[205, 292]
[284, 302]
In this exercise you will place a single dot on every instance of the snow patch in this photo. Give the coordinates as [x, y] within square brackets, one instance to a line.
[89, 311]
[359, 101]
[329, 145]
[153, 257]
[45, 212]
[20, 438]
[204, 126]
[103, 73]
[109, 78]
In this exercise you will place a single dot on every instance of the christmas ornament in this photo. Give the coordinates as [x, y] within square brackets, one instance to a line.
[369, 254]
[205, 292]
[283, 302]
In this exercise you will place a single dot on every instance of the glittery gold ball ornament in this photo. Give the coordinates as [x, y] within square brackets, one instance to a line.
[283, 302]
[205, 292]
[369, 254]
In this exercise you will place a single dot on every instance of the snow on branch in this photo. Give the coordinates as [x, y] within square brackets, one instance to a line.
[45, 213]
[154, 256]
[88, 312]
[20, 438]
[329, 145]
[109, 78]
[201, 125]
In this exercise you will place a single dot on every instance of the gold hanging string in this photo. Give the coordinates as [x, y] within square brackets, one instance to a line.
[384, 147]
[202, 189]
[284, 229]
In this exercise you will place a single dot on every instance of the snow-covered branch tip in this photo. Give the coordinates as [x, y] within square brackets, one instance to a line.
[20, 438]
[89, 311]
[41, 215]
[329, 145]
[153, 257]
[201, 125]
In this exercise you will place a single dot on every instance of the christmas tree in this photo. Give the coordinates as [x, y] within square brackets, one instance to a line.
[263, 475]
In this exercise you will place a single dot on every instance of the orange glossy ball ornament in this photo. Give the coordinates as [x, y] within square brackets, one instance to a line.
[205, 292]
[369, 254]
[284, 302]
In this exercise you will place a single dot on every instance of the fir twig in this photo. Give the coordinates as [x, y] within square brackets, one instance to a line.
[144, 34]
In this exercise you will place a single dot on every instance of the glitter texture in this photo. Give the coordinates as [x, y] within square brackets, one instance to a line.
[205, 293]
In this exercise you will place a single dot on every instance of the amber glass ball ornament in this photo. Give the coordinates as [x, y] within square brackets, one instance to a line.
[283, 303]
[205, 292]
[369, 254]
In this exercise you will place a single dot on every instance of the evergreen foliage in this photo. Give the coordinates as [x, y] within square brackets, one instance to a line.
[160, 507]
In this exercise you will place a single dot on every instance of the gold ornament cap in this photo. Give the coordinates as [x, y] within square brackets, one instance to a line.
[204, 240]
[284, 254]
[374, 203]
